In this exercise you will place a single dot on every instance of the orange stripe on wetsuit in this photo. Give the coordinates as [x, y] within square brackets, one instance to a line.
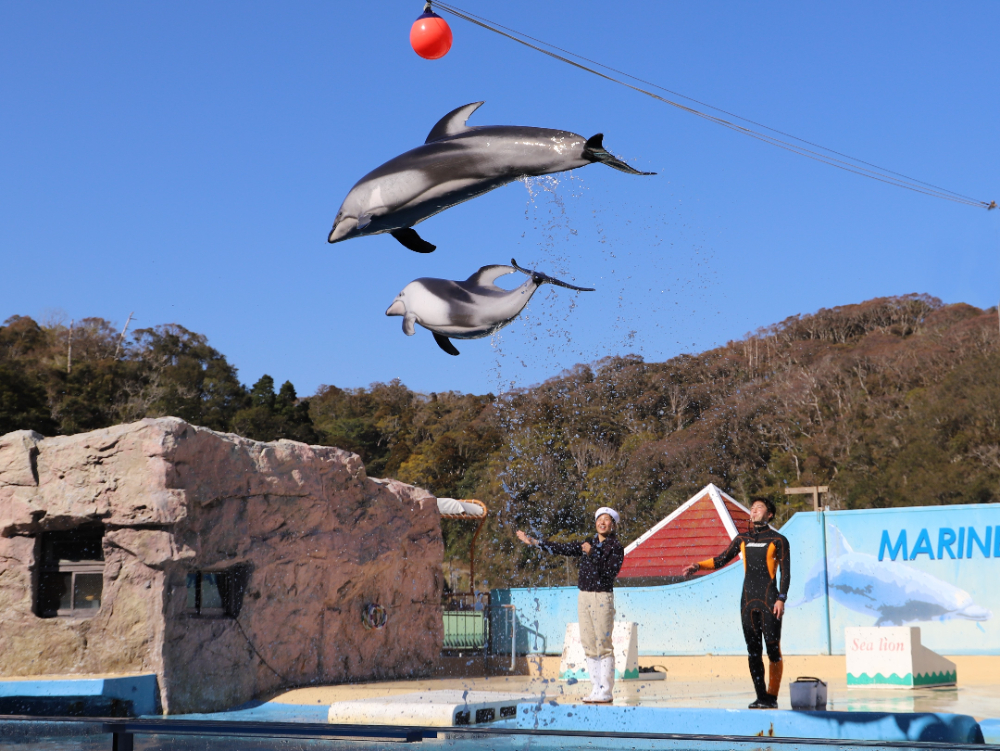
[709, 564]
[764, 552]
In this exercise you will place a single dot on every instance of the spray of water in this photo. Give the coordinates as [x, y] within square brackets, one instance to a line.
[651, 276]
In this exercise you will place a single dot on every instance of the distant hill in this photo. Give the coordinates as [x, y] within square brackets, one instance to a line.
[894, 401]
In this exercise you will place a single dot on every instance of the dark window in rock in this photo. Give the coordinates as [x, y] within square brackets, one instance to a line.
[70, 572]
[217, 593]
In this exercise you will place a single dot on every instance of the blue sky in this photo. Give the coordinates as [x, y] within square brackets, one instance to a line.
[185, 161]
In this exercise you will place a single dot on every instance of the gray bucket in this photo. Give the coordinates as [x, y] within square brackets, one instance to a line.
[808, 693]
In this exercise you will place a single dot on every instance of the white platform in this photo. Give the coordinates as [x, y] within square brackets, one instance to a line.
[893, 657]
[430, 708]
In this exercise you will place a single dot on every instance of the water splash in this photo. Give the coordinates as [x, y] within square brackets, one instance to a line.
[653, 275]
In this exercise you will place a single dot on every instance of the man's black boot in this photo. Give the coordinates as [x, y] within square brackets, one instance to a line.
[767, 701]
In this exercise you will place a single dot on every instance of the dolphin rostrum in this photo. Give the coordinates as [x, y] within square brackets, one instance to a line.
[471, 309]
[458, 162]
[894, 592]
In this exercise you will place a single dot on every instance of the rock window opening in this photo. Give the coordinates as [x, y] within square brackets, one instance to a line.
[217, 593]
[71, 572]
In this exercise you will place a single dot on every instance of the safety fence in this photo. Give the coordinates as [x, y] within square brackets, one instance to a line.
[467, 622]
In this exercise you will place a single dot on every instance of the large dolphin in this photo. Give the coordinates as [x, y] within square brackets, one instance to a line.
[467, 310]
[897, 594]
[456, 163]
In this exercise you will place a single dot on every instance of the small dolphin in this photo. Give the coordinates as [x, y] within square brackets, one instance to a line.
[471, 309]
[456, 163]
[896, 593]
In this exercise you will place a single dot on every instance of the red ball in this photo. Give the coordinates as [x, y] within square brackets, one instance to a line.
[430, 36]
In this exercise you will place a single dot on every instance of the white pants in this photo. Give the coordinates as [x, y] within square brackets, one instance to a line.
[596, 613]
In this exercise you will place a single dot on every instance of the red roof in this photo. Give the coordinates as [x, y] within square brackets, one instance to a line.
[701, 528]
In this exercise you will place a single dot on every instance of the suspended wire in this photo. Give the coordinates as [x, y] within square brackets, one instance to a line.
[725, 112]
[846, 162]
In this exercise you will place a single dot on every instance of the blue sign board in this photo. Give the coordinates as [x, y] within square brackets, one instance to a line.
[934, 567]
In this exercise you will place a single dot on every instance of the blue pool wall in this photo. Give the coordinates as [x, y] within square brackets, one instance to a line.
[857, 726]
[141, 690]
[931, 566]
[991, 731]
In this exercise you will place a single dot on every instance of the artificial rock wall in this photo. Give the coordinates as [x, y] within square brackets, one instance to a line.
[320, 539]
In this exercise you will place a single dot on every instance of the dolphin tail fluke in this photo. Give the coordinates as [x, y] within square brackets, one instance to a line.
[409, 238]
[539, 278]
[445, 343]
[594, 151]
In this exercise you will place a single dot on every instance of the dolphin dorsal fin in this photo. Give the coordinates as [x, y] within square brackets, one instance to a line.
[453, 123]
[489, 274]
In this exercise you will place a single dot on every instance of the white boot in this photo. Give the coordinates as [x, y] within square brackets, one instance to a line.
[594, 670]
[607, 673]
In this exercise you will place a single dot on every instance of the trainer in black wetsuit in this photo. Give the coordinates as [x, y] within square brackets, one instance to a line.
[764, 551]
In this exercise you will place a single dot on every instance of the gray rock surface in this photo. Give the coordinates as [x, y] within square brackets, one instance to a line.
[321, 540]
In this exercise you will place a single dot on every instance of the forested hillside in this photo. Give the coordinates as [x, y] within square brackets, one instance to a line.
[894, 401]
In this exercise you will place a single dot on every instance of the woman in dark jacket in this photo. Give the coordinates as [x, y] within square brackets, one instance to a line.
[602, 556]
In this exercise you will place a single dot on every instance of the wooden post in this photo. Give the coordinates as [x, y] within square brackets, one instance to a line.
[813, 490]
[69, 352]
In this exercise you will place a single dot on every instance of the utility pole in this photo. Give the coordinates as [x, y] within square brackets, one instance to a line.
[814, 491]
[122, 337]
[69, 352]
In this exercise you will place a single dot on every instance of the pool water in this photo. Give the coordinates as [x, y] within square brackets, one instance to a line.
[87, 736]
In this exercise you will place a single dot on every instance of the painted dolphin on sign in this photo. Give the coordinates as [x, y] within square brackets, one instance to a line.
[896, 593]
[471, 309]
[456, 163]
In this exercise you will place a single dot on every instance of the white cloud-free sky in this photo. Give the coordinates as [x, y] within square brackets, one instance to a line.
[185, 161]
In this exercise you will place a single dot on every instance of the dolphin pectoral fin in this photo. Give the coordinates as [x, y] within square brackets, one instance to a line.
[453, 123]
[408, 321]
[445, 343]
[539, 278]
[594, 151]
[364, 220]
[409, 238]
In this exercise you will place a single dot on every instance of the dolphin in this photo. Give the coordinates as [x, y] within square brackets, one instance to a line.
[458, 162]
[897, 594]
[472, 309]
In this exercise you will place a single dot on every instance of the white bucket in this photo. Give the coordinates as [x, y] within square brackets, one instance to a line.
[808, 693]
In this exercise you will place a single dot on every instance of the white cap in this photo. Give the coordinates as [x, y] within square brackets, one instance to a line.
[610, 512]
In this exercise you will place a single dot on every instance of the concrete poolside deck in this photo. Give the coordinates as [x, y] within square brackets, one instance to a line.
[704, 681]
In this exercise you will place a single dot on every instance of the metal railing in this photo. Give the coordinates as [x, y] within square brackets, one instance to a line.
[123, 733]
[513, 635]
[467, 622]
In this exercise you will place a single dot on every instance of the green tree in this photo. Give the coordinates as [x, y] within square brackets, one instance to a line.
[23, 402]
[273, 416]
[184, 377]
